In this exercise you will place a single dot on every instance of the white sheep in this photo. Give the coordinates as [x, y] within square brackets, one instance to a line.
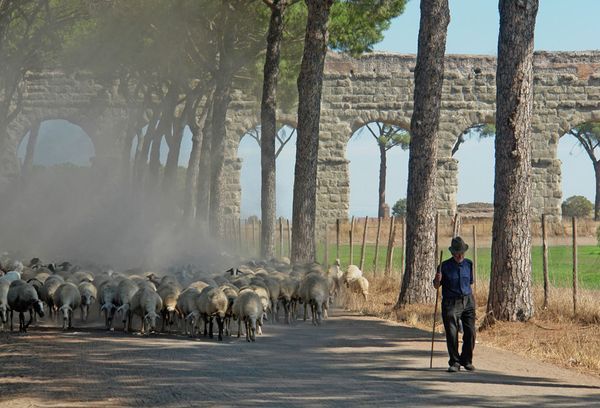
[67, 299]
[4, 286]
[248, 309]
[315, 293]
[80, 276]
[212, 302]
[108, 299]
[169, 292]
[49, 289]
[125, 291]
[11, 276]
[360, 286]
[351, 274]
[22, 297]
[232, 293]
[287, 288]
[89, 294]
[146, 303]
[187, 310]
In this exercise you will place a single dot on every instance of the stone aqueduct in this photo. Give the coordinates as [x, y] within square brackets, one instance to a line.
[376, 87]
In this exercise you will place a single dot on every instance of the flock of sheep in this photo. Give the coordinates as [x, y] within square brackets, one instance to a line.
[182, 299]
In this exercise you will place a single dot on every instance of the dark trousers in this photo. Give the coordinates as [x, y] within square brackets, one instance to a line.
[453, 311]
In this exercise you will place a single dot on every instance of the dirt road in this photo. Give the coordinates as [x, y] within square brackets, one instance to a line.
[349, 361]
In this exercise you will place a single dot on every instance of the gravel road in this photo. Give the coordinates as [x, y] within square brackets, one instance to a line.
[350, 360]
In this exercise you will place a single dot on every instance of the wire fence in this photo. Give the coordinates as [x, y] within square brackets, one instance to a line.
[565, 252]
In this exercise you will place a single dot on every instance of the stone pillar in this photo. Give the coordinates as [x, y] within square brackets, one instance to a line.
[333, 192]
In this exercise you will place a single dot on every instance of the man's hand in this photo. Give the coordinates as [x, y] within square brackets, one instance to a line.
[437, 280]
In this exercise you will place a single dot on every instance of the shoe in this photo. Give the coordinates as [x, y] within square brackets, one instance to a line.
[469, 367]
[454, 368]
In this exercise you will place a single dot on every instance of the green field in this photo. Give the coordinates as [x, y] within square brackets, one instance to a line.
[560, 263]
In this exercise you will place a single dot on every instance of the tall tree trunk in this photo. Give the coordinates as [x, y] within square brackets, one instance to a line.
[172, 163]
[597, 199]
[217, 151]
[310, 84]
[30, 152]
[510, 282]
[382, 179]
[141, 156]
[191, 177]
[268, 122]
[422, 162]
[204, 166]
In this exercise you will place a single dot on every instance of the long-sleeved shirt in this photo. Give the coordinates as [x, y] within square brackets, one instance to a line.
[457, 278]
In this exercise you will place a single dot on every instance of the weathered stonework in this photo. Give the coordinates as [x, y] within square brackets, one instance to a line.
[376, 87]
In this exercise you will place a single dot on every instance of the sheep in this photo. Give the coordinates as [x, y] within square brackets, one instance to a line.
[286, 293]
[232, 293]
[351, 274]
[315, 292]
[108, 299]
[48, 290]
[212, 302]
[125, 291]
[187, 310]
[11, 276]
[169, 292]
[360, 285]
[4, 286]
[67, 299]
[248, 308]
[89, 293]
[147, 303]
[274, 287]
[336, 275]
[198, 285]
[22, 297]
[80, 276]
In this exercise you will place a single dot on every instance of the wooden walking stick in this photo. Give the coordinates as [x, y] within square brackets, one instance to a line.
[437, 297]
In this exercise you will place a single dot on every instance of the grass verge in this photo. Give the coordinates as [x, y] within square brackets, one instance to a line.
[553, 335]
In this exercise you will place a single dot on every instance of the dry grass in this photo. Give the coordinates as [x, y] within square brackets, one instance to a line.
[553, 335]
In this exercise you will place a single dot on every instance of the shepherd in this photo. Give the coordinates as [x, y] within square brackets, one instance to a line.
[458, 304]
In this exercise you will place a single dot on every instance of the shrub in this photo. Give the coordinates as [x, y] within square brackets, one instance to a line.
[399, 209]
[577, 206]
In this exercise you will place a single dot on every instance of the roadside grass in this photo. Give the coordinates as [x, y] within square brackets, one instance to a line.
[560, 263]
[554, 335]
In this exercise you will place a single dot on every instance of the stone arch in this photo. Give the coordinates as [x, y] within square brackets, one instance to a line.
[583, 164]
[30, 141]
[480, 162]
[363, 152]
[252, 152]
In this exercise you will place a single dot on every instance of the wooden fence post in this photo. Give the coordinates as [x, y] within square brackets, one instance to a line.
[289, 236]
[545, 261]
[351, 233]
[364, 241]
[376, 260]
[280, 237]
[253, 250]
[259, 240]
[337, 238]
[574, 266]
[475, 258]
[388, 258]
[326, 254]
[437, 233]
[239, 236]
[402, 241]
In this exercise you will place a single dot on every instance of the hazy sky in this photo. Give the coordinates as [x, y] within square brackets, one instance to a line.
[561, 25]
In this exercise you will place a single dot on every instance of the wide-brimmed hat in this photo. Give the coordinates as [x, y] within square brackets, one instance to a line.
[458, 246]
